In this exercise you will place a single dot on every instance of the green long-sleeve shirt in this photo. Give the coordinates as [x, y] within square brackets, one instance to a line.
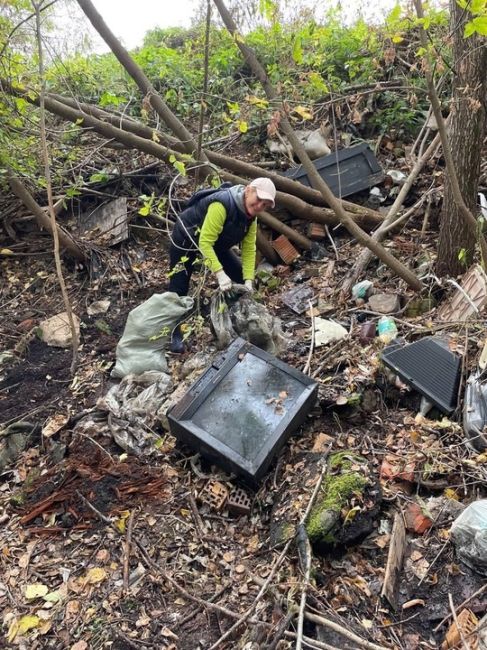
[210, 230]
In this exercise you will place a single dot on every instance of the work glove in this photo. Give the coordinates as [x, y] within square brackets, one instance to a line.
[249, 285]
[224, 281]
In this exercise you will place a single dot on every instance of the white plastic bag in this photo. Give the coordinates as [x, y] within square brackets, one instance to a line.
[148, 332]
[469, 534]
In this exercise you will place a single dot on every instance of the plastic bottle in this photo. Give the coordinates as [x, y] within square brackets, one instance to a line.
[386, 329]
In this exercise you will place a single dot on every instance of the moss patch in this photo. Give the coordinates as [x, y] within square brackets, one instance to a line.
[336, 492]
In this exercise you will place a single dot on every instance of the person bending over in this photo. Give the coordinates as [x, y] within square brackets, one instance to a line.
[214, 221]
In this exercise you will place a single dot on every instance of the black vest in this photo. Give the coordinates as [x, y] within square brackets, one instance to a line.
[191, 219]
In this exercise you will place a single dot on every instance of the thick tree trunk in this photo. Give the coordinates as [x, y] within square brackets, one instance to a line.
[311, 171]
[467, 131]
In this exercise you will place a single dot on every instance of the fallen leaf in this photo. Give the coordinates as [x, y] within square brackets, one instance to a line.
[54, 424]
[240, 568]
[53, 597]
[22, 626]
[229, 557]
[168, 634]
[72, 609]
[79, 645]
[94, 576]
[35, 591]
[413, 603]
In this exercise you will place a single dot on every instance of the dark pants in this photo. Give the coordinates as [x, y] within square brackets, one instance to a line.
[179, 281]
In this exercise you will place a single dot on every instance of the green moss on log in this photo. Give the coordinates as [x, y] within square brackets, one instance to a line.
[336, 492]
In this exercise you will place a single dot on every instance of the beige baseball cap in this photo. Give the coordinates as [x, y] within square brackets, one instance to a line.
[265, 188]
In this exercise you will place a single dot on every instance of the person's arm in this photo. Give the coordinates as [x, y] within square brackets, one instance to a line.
[248, 252]
[210, 231]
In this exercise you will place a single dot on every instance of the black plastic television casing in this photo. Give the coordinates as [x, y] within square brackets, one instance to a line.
[248, 398]
[346, 171]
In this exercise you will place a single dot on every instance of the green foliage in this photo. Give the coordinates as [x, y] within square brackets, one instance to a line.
[305, 60]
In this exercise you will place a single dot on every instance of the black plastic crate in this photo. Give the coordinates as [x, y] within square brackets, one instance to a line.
[346, 171]
[243, 409]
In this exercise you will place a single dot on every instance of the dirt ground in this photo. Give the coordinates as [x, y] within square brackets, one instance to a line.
[103, 549]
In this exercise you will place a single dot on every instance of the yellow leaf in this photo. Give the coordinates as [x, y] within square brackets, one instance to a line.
[450, 493]
[6, 251]
[13, 630]
[35, 591]
[243, 126]
[96, 575]
[155, 137]
[303, 112]
[53, 597]
[27, 623]
[397, 38]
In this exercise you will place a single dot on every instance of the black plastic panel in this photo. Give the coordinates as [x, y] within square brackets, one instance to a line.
[429, 367]
[346, 171]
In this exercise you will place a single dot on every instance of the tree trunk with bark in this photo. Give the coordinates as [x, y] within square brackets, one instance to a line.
[456, 243]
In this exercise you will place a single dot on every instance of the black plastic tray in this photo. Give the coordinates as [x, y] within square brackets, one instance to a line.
[243, 409]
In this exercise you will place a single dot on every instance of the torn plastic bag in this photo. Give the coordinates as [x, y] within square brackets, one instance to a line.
[475, 411]
[241, 315]
[221, 321]
[137, 395]
[132, 409]
[469, 535]
[148, 332]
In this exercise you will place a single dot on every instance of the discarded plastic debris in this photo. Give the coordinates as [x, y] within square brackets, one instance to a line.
[469, 535]
[429, 367]
[107, 222]
[243, 409]
[345, 171]
[298, 299]
[361, 289]
[56, 331]
[398, 177]
[469, 299]
[386, 329]
[475, 411]
[483, 205]
[247, 318]
[327, 331]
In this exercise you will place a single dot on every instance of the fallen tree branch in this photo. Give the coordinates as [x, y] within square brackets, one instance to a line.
[365, 256]
[364, 216]
[402, 271]
[65, 240]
